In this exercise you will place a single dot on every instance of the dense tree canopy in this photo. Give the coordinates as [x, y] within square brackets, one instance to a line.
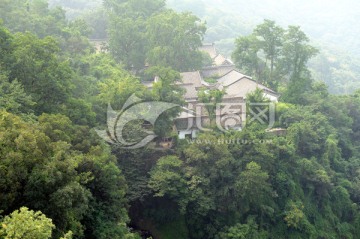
[143, 33]
[59, 179]
[276, 56]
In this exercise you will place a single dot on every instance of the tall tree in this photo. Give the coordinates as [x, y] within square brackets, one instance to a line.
[64, 171]
[253, 188]
[174, 39]
[246, 56]
[127, 30]
[296, 53]
[128, 42]
[44, 75]
[270, 42]
[275, 56]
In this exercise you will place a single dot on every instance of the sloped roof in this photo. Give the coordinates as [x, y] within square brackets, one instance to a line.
[236, 84]
[192, 77]
[210, 49]
[217, 71]
[231, 77]
[219, 60]
[190, 81]
[245, 83]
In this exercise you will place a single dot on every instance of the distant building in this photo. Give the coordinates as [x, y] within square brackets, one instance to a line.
[218, 59]
[224, 76]
[216, 71]
[100, 45]
[237, 84]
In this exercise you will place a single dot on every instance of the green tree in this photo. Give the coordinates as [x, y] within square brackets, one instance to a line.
[211, 98]
[127, 30]
[201, 183]
[307, 130]
[26, 224]
[45, 77]
[246, 56]
[167, 178]
[107, 214]
[6, 48]
[33, 16]
[128, 42]
[174, 39]
[253, 186]
[250, 230]
[271, 37]
[75, 38]
[295, 216]
[166, 90]
[296, 53]
[277, 56]
[13, 97]
[63, 171]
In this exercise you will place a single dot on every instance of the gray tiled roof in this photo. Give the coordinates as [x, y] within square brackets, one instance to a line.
[217, 71]
[191, 81]
[210, 49]
[219, 60]
[238, 84]
[231, 78]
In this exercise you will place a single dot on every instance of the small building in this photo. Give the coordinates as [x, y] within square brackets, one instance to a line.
[225, 77]
[217, 58]
[216, 71]
[100, 45]
[277, 131]
[239, 85]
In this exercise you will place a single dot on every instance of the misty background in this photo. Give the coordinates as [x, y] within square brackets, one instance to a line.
[333, 27]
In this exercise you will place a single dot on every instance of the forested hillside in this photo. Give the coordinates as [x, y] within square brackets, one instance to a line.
[60, 179]
[333, 27]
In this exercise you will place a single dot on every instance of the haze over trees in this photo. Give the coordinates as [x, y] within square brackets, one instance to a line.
[145, 33]
[332, 27]
[59, 179]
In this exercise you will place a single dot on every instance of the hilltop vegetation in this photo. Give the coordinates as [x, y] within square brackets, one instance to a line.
[332, 26]
[59, 179]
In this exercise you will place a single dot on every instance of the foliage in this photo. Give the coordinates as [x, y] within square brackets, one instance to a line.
[276, 56]
[252, 183]
[37, 67]
[211, 98]
[174, 39]
[13, 97]
[334, 34]
[144, 33]
[32, 16]
[244, 231]
[40, 169]
[27, 224]
[165, 89]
